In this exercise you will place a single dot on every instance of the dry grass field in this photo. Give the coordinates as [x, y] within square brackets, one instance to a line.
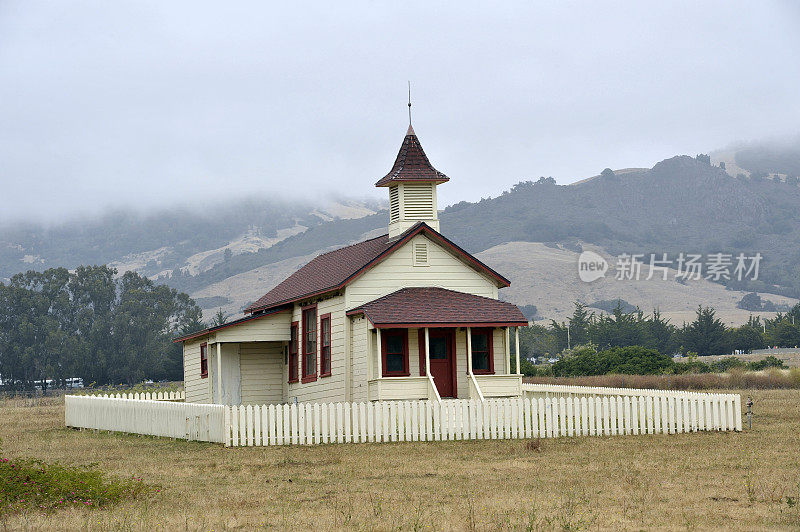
[746, 481]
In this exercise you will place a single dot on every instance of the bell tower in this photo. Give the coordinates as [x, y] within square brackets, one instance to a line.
[412, 185]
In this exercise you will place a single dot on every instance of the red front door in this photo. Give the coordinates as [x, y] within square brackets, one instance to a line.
[442, 350]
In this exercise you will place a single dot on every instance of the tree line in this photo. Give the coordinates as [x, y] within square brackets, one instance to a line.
[633, 340]
[91, 324]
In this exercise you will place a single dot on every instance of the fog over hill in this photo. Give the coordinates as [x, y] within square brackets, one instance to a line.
[158, 243]
[683, 204]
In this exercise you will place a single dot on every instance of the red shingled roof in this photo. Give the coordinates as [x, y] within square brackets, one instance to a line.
[412, 165]
[335, 269]
[209, 330]
[438, 307]
[324, 272]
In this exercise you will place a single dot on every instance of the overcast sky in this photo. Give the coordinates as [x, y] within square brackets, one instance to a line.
[107, 104]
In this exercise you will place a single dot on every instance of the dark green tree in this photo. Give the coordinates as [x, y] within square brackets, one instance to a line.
[706, 334]
[744, 338]
[220, 318]
[620, 329]
[663, 336]
[56, 324]
[537, 340]
[575, 331]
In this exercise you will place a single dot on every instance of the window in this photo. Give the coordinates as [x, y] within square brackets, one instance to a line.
[310, 344]
[203, 361]
[293, 353]
[395, 352]
[394, 204]
[482, 359]
[420, 253]
[325, 345]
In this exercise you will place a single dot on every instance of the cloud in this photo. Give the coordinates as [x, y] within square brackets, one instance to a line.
[150, 103]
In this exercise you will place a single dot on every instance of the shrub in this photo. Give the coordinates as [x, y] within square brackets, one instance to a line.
[768, 362]
[725, 364]
[692, 366]
[628, 360]
[32, 485]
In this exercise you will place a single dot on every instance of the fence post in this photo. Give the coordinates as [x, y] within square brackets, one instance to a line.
[737, 411]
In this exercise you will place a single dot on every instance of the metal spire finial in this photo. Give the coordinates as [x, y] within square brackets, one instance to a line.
[409, 103]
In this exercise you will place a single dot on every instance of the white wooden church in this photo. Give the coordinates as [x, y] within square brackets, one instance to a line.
[406, 315]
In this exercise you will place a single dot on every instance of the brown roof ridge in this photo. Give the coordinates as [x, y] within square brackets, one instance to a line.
[385, 235]
[335, 269]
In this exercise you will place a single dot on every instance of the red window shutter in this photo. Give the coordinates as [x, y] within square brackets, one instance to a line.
[325, 345]
[293, 352]
[203, 360]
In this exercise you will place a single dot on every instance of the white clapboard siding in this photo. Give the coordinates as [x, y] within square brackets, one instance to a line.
[188, 421]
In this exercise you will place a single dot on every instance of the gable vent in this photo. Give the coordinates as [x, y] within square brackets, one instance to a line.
[418, 201]
[394, 204]
[420, 254]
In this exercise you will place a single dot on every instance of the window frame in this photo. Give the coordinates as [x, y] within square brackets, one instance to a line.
[325, 318]
[385, 334]
[294, 362]
[307, 375]
[204, 360]
[489, 332]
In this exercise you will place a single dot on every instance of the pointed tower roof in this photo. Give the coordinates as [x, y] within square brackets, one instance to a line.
[412, 165]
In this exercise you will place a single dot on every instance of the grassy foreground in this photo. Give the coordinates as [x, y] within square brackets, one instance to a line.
[743, 481]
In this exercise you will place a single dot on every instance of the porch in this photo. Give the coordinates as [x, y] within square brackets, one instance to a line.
[434, 344]
[240, 362]
[438, 363]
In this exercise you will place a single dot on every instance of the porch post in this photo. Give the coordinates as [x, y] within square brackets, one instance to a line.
[427, 352]
[219, 371]
[469, 350]
[516, 335]
[380, 354]
[508, 349]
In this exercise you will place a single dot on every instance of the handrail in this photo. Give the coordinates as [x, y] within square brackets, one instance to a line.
[474, 382]
[433, 387]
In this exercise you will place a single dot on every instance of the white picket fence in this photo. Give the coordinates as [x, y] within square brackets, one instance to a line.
[543, 412]
[143, 396]
[560, 390]
[202, 422]
[544, 417]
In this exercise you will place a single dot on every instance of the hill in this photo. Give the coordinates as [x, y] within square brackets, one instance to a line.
[682, 204]
[180, 241]
[547, 276]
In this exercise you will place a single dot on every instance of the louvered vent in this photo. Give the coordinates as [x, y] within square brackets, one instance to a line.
[418, 202]
[421, 254]
[394, 204]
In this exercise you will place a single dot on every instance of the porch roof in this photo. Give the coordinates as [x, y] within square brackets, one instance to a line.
[439, 307]
[209, 330]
